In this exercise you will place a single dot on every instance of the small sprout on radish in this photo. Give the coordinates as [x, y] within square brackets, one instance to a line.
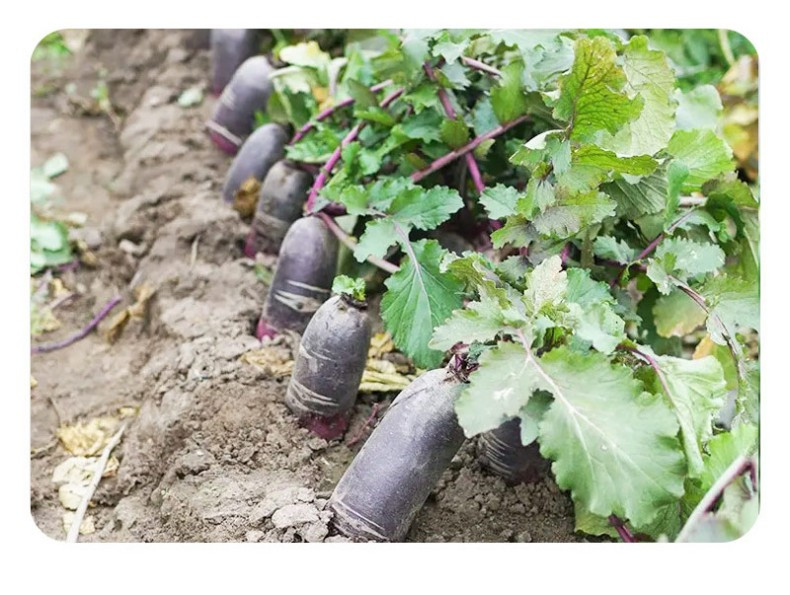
[345, 285]
[234, 113]
[392, 475]
[305, 270]
[280, 203]
[257, 155]
[229, 49]
[329, 365]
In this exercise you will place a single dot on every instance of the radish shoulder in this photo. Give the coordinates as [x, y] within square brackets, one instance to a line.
[330, 361]
[258, 154]
[234, 114]
[280, 203]
[302, 279]
[229, 49]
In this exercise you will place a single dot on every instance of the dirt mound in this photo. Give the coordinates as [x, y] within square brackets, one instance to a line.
[213, 454]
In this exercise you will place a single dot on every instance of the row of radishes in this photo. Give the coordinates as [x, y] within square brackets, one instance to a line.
[392, 475]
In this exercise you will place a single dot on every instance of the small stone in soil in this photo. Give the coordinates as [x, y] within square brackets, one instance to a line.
[315, 533]
[524, 537]
[294, 514]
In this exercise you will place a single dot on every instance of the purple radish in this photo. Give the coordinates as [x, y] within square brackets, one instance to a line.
[393, 474]
[502, 452]
[302, 279]
[258, 154]
[229, 49]
[280, 203]
[234, 113]
[329, 366]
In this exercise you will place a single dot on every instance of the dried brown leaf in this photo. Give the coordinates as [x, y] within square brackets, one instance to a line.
[246, 199]
[87, 438]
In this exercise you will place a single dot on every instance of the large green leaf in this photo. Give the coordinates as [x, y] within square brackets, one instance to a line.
[508, 99]
[379, 235]
[477, 321]
[704, 154]
[498, 390]
[695, 389]
[500, 200]
[643, 197]
[613, 249]
[592, 96]
[734, 304]
[698, 108]
[426, 209]
[652, 79]
[680, 258]
[613, 447]
[568, 216]
[420, 297]
[676, 314]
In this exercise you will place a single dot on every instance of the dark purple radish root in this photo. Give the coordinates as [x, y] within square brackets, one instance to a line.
[329, 365]
[280, 203]
[393, 474]
[502, 452]
[229, 49]
[234, 114]
[258, 154]
[302, 279]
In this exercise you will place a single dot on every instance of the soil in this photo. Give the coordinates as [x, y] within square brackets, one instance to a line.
[213, 454]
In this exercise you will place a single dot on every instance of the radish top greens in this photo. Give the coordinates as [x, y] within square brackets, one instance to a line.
[610, 225]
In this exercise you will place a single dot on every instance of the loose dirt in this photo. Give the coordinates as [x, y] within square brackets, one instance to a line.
[213, 454]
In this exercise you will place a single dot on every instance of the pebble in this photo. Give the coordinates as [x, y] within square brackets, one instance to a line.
[254, 535]
[90, 235]
[130, 247]
[315, 533]
[524, 537]
[294, 514]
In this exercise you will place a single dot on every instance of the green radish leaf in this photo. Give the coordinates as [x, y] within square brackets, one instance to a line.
[679, 258]
[613, 446]
[704, 154]
[346, 285]
[499, 201]
[498, 390]
[613, 249]
[419, 298]
[454, 133]
[695, 389]
[379, 235]
[734, 304]
[568, 216]
[592, 96]
[508, 100]
[677, 315]
[698, 108]
[653, 80]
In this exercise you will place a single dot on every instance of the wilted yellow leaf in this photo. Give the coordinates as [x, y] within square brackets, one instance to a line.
[87, 438]
[704, 348]
[42, 320]
[87, 526]
[142, 294]
[128, 411]
[246, 199]
[117, 324]
[380, 343]
[273, 359]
